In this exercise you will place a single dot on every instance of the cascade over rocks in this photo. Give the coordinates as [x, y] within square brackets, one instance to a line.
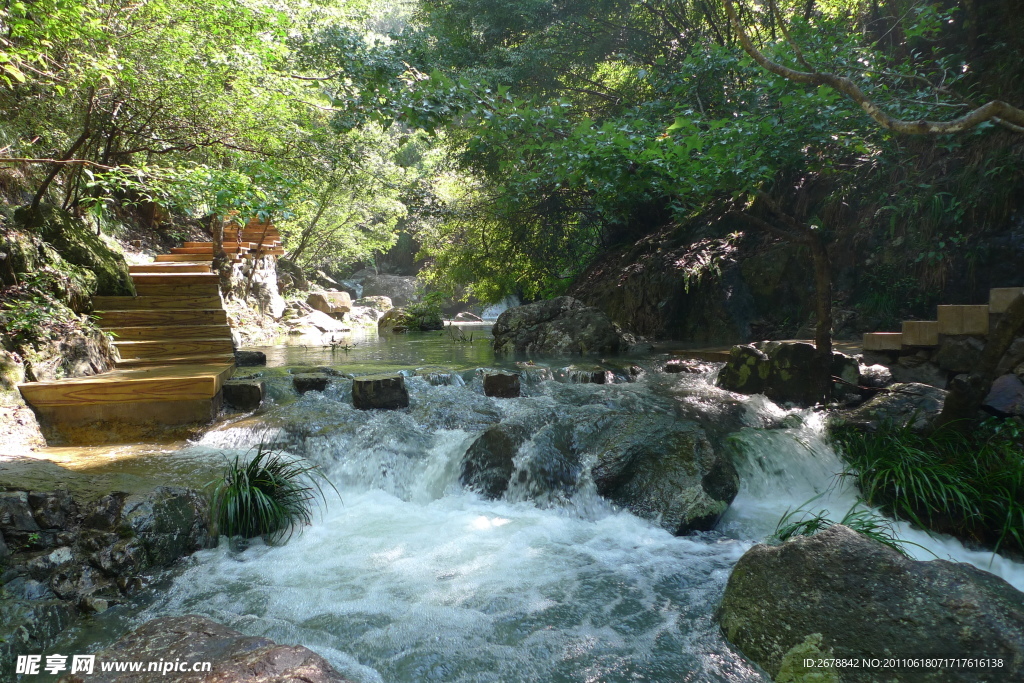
[862, 599]
[557, 326]
[658, 466]
[233, 656]
[782, 371]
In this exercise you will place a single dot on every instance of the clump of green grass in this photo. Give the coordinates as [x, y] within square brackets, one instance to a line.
[268, 495]
[803, 521]
[969, 483]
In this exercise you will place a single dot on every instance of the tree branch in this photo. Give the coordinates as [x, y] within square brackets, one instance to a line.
[996, 110]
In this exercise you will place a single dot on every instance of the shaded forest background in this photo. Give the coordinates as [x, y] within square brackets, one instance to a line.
[533, 148]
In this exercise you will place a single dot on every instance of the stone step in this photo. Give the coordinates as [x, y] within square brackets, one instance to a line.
[999, 299]
[192, 359]
[883, 341]
[172, 348]
[163, 332]
[171, 267]
[168, 258]
[142, 318]
[157, 384]
[162, 303]
[963, 320]
[920, 333]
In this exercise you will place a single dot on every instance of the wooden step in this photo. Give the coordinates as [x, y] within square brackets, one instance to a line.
[196, 359]
[141, 318]
[165, 383]
[162, 303]
[172, 348]
[162, 332]
[184, 284]
[920, 333]
[960, 320]
[169, 258]
[883, 341]
[184, 267]
[999, 299]
[227, 243]
[228, 249]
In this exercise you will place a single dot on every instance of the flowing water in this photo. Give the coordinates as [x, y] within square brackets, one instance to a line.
[410, 577]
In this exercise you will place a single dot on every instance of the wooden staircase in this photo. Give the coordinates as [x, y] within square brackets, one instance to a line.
[173, 341]
[952, 321]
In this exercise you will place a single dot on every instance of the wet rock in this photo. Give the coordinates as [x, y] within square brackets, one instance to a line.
[867, 600]
[5, 552]
[899, 404]
[383, 392]
[394, 321]
[875, 376]
[746, 371]
[920, 373]
[310, 382]
[488, 464]
[401, 290]
[501, 385]
[248, 359]
[558, 326]
[244, 394]
[532, 373]
[334, 304]
[957, 354]
[1013, 357]
[588, 374]
[233, 656]
[1006, 398]
[43, 566]
[105, 514]
[664, 469]
[377, 303]
[467, 317]
[29, 627]
[686, 365]
[15, 513]
[441, 377]
[169, 522]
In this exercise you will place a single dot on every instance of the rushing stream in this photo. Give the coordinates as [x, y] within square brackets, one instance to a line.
[410, 577]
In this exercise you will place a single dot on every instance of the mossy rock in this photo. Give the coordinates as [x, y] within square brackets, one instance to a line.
[80, 246]
[29, 255]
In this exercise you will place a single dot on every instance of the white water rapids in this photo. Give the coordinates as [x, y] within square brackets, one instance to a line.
[409, 577]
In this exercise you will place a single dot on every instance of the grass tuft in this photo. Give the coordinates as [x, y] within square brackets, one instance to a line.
[269, 495]
[803, 521]
[969, 483]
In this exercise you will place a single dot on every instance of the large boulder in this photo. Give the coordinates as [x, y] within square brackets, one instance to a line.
[558, 326]
[488, 464]
[1006, 398]
[402, 290]
[336, 304]
[664, 469]
[232, 656]
[394, 321]
[899, 404]
[839, 594]
[783, 371]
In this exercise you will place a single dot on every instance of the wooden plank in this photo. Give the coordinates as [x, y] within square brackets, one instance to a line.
[212, 316]
[1000, 298]
[196, 290]
[170, 258]
[920, 333]
[883, 341]
[196, 359]
[168, 383]
[175, 278]
[136, 303]
[230, 249]
[163, 332]
[172, 347]
[170, 268]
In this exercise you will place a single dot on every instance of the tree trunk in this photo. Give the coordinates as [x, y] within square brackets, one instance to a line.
[968, 392]
[823, 309]
[221, 264]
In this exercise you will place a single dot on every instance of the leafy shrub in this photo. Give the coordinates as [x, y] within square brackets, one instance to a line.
[967, 484]
[267, 496]
[426, 315]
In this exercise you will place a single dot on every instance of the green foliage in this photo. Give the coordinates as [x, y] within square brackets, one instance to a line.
[268, 495]
[968, 484]
[426, 315]
[803, 521]
[35, 311]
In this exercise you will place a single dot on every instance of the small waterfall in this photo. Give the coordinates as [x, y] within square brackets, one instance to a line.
[494, 310]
